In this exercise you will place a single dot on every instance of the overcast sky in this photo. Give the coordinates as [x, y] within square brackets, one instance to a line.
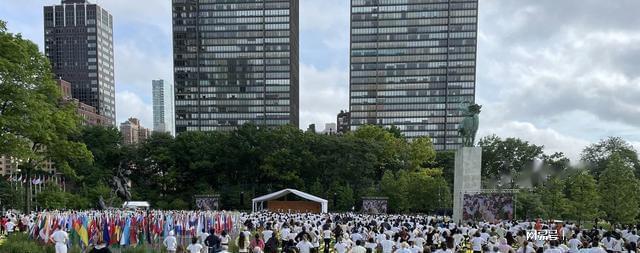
[561, 74]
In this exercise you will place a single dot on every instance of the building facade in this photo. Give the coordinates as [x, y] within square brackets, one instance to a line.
[413, 63]
[162, 106]
[88, 113]
[343, 122]
[133, 132]
[78, 40]
[235, 63]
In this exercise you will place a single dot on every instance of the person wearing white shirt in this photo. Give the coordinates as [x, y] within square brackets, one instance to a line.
[553, 248]
[633, 237]
[371, 245]
[358, 248]
[170, 242]
[525, 248]
[477, 242]
[341, 246]
[60, 238]
[304, 246]
[10, 226]
[414, 248]
[194, 247]
[596, 249]
[574, 243]
[609, 242]
[387, 245]
[266, 234]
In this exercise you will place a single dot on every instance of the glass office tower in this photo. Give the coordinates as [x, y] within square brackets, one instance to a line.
[235, 62]
[78, 40]
[413, 63]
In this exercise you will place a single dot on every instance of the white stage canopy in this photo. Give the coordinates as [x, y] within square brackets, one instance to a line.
[259, 201]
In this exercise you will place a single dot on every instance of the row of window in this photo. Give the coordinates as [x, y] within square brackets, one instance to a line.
[415, 79]
[281, 75]
[390, 2]
[235, 102]
[246, 48]
[241, 89]
[245, 13]
[414, 8]
[244, 69]
[408, 100]
[248, 34]
[256, 20]
[410, 86]
[385, 67]
[273, 115]
[411, 93]
[224, 125]
[244, 41]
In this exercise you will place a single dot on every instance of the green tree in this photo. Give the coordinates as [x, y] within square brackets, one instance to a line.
[36, 124]
[582, 193]
[553, 199]
[528, 205]
[421, 152]
[393, 188]
[510, 156]
[619, 190]
[52, 197]
[596, 156]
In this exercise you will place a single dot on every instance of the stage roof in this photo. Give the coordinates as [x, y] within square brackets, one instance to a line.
[276, 195]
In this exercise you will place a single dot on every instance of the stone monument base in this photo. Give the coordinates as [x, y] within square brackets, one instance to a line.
[467, 177]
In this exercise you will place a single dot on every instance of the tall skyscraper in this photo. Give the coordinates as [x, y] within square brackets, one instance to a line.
[162, 106]
[235, 63]
[412, 63]
[78, 39]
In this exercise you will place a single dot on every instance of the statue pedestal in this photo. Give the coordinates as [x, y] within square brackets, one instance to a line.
[467, 177]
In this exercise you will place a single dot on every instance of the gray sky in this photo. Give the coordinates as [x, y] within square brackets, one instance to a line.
[559, 73]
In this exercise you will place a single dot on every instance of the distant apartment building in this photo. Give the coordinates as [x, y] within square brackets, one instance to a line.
[133, 132]
[343, 122]
[88, 113]
[78, 40]
[329, 128]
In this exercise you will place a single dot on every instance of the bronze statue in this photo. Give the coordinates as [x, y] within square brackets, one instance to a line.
[469, 125]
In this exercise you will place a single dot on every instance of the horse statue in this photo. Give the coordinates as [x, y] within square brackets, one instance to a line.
[469, 125]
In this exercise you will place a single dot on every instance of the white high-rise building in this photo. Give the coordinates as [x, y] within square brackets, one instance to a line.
[162, 107]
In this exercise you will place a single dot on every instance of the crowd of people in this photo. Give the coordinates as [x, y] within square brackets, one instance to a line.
[265, 232]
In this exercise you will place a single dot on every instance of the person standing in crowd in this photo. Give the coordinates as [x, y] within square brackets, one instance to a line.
[574, 244]
[224, 240]
[170, 242]
[257, 243]
[243, 243]
[194, 247]
[387, 245]
[326, 235]
[271, 245]
[341, 246]
[60, 238]
[358, 248]
[371, 245]
[10, 226]
[304, 246]
[525, 248]
[212, 242]
[477, 242]
[100, 247]
[3, 222]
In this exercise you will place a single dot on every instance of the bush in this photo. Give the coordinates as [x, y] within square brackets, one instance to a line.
[20, 243]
